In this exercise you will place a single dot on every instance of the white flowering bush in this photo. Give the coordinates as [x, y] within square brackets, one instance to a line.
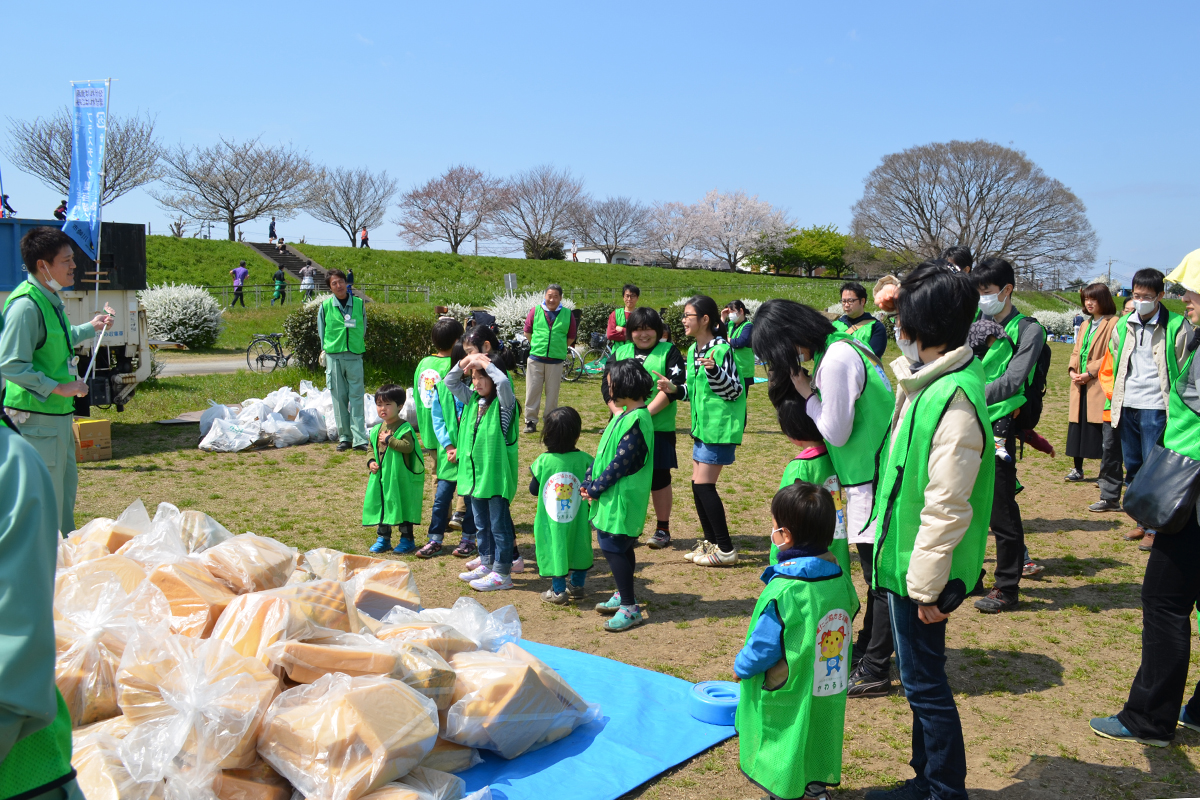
[1057, 323]
[836, 308]
[460, 311]
[510, 311]
[752, 307]
[185, 314]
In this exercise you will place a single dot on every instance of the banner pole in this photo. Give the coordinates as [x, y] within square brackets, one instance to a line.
[100, 199]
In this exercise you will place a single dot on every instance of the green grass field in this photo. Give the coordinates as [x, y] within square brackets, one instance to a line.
[203, 262]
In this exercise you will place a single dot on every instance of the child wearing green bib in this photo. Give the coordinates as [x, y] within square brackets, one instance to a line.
[560, 528]
[396, 486]
[618, 486]
[438, 433]
[793, 669]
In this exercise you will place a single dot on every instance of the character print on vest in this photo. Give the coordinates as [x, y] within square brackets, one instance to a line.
[834, 488]
[561, 497]
[427, 385]
[833, 639]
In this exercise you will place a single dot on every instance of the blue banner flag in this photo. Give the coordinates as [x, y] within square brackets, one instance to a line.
[89, 111]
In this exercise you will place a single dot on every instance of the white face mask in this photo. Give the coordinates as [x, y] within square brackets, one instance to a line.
[909, 348]
[1144, 307]
[990, 304]
[54, 285]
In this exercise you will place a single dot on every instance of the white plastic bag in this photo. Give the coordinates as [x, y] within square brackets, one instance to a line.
[470, 618]
[370, 412]
[283, 433]
[214, 411]
[230, 436]
[100, 773]
[163, 543]
[409, 412]
[312, 423]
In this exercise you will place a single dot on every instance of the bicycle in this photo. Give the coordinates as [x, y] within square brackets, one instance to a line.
[265, 354]
[594, 360]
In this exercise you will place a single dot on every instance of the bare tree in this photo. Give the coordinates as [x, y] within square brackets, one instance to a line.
[351, 199]
[920, 201]
[732, 227]
[671, 233]
[42, 148]
[538, 207]
[450, 208]
[178, 226]
[610, 225]
[234, 182]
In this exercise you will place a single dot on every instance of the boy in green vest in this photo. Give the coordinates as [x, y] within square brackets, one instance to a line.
[794, 666]
[560, 528]
[396, 486]
[437, 440]
[645, 331]
[618, 486]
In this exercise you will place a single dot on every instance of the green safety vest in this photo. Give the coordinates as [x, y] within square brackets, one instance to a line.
[426, 381]
[791, 735]
[1183, 424]
[52, 359]
[820, 471]
[621, 509]
[859, 330]
[560, 528]
[743, 356]
[619, 317]
[857, 460]
[1174, 323]
[996, 361]
[487, 459]
[396, 493]
[447, 470]
[550, 341]
[340, 337]
[714, 420]
[901, 491]
[41, 761]
[656, 361]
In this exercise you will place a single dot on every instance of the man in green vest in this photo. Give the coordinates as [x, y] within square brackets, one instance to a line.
[1008, 366]
[935, 491]
[550, 329]
[618, 319]
[856, 322]
[342, 327]
[37, 358]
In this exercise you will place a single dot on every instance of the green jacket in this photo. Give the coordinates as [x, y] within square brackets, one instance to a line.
[36, 349]
[621, 509]
[819, 470]
[560, 527]
[340, 335]
[1183, 423]
[396, 493]
[744, 356]
[995, 364]
[857, 460]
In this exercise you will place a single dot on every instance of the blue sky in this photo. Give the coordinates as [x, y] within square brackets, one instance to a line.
[794, 102]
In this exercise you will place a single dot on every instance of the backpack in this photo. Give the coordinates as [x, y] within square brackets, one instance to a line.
[1035, 390]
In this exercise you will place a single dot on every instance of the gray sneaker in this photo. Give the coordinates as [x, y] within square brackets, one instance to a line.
[1104, 505]
[659, 540]
[576, 592]
[557, 598]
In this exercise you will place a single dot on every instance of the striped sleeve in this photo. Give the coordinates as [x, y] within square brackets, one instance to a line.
[723, 378]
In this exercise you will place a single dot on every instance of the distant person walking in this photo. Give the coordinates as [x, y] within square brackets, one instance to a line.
[342, 328]
[60, 213]
[308, 280]
[363, 240]
[280, 278]
[550, 333]
[271, 230]
[239, 273]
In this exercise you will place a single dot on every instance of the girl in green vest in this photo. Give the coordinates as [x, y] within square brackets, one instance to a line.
[645, 331]
[487, 463]
[438, 437]
[618, 486]
[792, 711]
[560, 528]
[737, 317]
[718, 399]
[396, 487]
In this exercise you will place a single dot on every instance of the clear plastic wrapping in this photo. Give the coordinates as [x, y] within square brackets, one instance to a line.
[376, 590]
[102, 775]
[199, 531]
[250, 563]
[73, 551]
[162, 543]
[127, 572]
[97, 619]
[422, 784]
[443, 639]
[316, 609]
[341, 737]
[446, 756]
[197, 599]
[510, 702]
[469, 618]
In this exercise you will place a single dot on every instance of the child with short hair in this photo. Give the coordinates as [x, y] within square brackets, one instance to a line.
[618, 484]
[438, 440]
[793, 669]
[560, 528]
[396, 487]
[487, 463]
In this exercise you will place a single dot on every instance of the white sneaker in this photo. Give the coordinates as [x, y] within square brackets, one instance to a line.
[475, 574]
[492, 582]
[716, 558]
[702, 548]
[474, 563]
[519, 564]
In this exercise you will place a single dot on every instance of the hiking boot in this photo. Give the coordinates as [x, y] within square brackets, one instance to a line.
[610, 606]
[716, 558]
[382, 544]
[864, 684]
[1186, 721]
[703, 547]
[557, 598]
[430, 550]
[908, 791]
[1136, 534]
[1111, 728]
[364, 447]
[343, 447]
[623, 620]
[1147, 542]
[456, 521]
[465, 549]
[1104, 505]
[518, 564]
[530, 427]
[405, 546]
[659, 540]
[475, 574]
[995, 602]
[576, 592]
[492, 582]
[1075, 476]
[1031, 569]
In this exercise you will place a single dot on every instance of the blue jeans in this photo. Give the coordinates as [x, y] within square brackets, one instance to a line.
[439, 515]
[1140, 430]
[939, 756]
[495, 532]
[578, 578]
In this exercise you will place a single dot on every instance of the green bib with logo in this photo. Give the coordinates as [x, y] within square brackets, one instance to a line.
[560, 527]
[426, 381]
[820, 471]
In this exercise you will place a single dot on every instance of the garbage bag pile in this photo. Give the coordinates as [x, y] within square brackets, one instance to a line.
[202, 665]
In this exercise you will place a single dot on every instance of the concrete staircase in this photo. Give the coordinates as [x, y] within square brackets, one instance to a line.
[292, 261]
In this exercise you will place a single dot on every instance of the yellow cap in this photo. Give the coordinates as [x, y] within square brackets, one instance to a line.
[1188, 272]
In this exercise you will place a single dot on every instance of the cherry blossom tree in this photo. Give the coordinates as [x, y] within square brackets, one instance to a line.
[733, 226]
[671, 234]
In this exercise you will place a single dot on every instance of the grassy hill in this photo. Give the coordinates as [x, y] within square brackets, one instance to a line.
[204, 262]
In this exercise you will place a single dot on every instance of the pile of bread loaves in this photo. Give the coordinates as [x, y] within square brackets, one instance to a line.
[199, 664]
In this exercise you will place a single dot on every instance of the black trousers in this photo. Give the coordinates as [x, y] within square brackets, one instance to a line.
[1006, 524]
[1170, 591]
[874, 647]
[1112, 465]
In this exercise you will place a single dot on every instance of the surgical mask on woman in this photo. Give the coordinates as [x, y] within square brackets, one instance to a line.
[909, 348]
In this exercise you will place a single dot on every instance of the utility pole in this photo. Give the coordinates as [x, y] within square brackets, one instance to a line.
[1110, 270]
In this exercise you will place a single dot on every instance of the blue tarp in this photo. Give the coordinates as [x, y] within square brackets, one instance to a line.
[644, 729]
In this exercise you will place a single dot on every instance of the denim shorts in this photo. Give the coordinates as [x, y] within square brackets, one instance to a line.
[721, 454]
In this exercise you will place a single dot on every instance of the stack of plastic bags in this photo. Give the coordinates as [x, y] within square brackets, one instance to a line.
[199, 664]
[284, 418]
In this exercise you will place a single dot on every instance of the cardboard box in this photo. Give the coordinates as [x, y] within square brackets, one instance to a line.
[93, 440]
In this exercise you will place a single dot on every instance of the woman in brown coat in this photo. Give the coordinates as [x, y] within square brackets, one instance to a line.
[1085, 431]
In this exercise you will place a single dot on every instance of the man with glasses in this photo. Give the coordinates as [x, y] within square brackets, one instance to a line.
[856, 322]
[615, 331]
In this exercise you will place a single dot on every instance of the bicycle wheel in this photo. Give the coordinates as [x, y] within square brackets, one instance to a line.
[572, 367]
[593, 361]
[261, 356]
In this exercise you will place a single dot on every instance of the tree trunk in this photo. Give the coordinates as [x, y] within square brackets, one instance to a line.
[232, 229]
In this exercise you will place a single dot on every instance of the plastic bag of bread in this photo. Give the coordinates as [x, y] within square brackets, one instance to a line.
[97, 620]
[443, 639]
[469, 618]
[250, 563]
[258, 782]
[196, 706]
[112, 534]
[161, 544]
[198, 531]
[127, 572]
[510, 702]
[73, 551]
[115, 727]
[447, 756]
[379, 588]
[197, 599]
[101, 774]
[341, 737]
[253, 622]
[422, 784]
